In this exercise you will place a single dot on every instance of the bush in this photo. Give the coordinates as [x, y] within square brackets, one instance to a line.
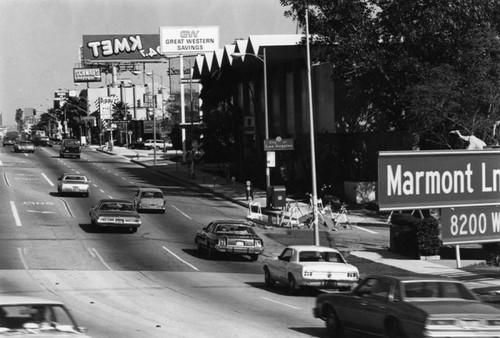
[428, 236]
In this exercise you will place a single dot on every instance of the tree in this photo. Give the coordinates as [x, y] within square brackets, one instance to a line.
[121, 111]
[424, 66]
[20, 119]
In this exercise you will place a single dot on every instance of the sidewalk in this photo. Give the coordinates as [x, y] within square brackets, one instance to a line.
[236, 192]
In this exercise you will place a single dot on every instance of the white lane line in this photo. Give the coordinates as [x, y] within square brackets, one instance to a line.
[14, 212]
[1, 164]
[173, 206]
[364, 229]
[95, 254]
[131, 182]
[23, 259]
[110, 197]
[47, 179]
[183, 261]
[281, 303]
[101, 190]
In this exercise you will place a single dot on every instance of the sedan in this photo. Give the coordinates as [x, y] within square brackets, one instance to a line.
[149, 199]
[115, 213]
[22, 316]
[408, 306]
[24, 146]
[230, 237]
[71, 183]
[310, 266]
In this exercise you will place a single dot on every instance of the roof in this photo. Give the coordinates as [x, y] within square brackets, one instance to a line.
[229, 221]
[311, 248]
[17, 300]
[150, 189]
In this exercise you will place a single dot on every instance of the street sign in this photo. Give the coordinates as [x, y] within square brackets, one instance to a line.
[189, 80]
[278, 144]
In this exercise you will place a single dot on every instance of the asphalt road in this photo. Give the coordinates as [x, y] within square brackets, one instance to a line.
[153, 283]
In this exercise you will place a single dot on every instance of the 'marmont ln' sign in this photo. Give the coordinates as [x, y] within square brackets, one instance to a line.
[437, 179]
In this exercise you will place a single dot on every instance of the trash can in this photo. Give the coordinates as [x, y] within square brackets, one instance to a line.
[278, 197]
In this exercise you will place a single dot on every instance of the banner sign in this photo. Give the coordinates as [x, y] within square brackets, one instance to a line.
[189, 40]
[438, 179]
[103, 48]
[470, 225]
[86, 74]
[106, 106]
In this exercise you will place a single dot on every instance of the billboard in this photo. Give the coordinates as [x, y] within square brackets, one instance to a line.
[86, 75]
[121, 47]
[189, 40]
[438, 179]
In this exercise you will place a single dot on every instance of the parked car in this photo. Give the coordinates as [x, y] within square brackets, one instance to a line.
[160, 144]
[70, 147]
[151, 199]
[136, 145]
[24, 147]
[230, 237]
[72, 183]
[115, 213]
[22, 316]
[8, 141]
[408, 306]
[310, 266]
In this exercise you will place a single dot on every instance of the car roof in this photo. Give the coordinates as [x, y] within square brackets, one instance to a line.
[150, 189]
[228, 221]
[19, 300]
[415, 277]
[311, 248]
[113, 200]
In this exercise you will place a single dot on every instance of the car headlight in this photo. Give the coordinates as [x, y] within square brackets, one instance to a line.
[105, 219]
[222, 241]
[258, 242]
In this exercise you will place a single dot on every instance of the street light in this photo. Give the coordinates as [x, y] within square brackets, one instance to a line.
[151, 75]
[266, 113]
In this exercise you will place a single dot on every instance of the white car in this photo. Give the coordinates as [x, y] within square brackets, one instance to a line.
[310, 266]
[22, 316]
[160, 144]
[151, 199]
[72, 183]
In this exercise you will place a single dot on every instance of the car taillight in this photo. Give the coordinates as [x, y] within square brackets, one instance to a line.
[222, 241]
[307, 273]
[258, 242]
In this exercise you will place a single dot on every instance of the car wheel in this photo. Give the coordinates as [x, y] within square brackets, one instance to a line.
[267, 278]
[254, 257]
[394, 329]
[211, 253]
[292, 285]
[333, 326]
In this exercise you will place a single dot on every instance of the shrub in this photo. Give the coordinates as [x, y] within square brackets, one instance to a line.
[428, 236]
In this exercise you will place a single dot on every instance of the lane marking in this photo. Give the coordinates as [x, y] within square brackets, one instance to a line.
[183, 261]
[1, 164]
[47, 179]
[281, 303]
[364, 229]
[94, 254]
[40, 211]
[173, 206]
[14, 212]
[101, 190]
[22, 255]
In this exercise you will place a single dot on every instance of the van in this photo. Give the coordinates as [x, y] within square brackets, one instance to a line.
[70, 147]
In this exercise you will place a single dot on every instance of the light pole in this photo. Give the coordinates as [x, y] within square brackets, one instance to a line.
[311, 122]
[151, 75]
[266, 112]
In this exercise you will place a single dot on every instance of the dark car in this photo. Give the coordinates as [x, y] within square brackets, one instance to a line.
[408, 306]
[115, 213]
[70, 147]
[8, 141]
[42, 141]
[136, 145]
[231, 237]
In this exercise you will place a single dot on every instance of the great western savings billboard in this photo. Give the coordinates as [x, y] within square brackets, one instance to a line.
[122, 47]
[438, 179]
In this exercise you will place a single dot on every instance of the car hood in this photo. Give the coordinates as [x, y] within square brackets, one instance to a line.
[446, 307]
[115, 213]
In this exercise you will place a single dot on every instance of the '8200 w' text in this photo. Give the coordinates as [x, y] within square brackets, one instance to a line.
[470, 225]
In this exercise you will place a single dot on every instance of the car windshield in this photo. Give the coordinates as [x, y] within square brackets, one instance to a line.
[35, 316]
[117, 206]
[321, 256]
[239, 229]
[436, 289]
[71, 143]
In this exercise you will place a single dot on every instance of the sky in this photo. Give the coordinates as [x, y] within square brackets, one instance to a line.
[40, 39]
